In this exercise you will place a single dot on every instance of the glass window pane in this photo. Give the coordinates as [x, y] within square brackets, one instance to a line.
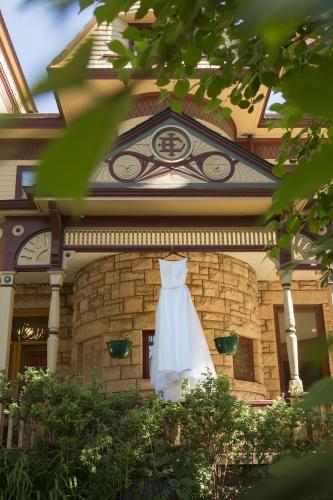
[28, 178]
[30, 328]
[307, 331]
[243, 360]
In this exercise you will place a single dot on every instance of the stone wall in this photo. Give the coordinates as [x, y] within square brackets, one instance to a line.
[37, 297]
[119, 294]
[270, 294]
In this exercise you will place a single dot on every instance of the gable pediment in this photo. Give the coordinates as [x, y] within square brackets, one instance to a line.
[175, 152]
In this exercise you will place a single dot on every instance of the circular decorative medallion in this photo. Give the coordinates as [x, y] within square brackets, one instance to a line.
[216, 167]
[171, 144]
[18, 230]
[126, 167]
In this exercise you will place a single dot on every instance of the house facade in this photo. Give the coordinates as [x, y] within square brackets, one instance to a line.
[183, 182]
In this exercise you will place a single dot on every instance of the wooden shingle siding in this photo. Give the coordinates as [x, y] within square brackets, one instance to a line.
[7, 179]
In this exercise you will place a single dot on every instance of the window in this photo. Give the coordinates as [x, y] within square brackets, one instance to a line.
[243, 360]
[309, 329]
[28, 345]
[29, 328]
[147, 341]
[25, 178]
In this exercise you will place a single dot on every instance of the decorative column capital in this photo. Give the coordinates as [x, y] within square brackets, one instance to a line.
[7, 278]
[285, 277]
[56, 278]
[330, 278]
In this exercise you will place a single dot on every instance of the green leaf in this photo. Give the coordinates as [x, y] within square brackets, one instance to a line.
[71, 75]
[318, 352]
[176, 106]
[162, 80]
[181, 88]
[68, 162]
[320, 393]
[244, 104]
[144, 7]
[269, 78]
[111, 10]
[119, 48]
[125, 75]
[215, 87]
[85, 3]
[192, 55]
[279, 171]
[164, 94]
[294, 224]
[306, 179]
[213, 104]
[132, 33]
[308, 477]
[283, 241]
[223, 113]
[311, 89]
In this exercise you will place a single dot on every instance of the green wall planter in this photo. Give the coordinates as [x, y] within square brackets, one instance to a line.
[227, 345]
[119, 348]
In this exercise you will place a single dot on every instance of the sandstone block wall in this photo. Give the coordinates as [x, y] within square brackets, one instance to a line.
[119, 294]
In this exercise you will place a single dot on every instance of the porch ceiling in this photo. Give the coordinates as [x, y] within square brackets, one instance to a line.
[171, 206]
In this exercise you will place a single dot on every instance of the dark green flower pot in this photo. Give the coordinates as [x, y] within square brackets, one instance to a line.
[119, 348]
[227, 345]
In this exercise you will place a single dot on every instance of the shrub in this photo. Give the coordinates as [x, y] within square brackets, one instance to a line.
[121, 446]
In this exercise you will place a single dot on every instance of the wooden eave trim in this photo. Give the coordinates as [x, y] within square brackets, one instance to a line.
[73, 44]
[25, 93]
[181, 193]
[17, 205]
[34, 121]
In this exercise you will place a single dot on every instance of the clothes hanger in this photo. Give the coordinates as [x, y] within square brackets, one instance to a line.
[173, 252]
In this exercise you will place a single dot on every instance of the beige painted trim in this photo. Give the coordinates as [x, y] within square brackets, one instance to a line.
[230, 237]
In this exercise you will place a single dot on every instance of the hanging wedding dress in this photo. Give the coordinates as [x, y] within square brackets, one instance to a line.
[180, 348]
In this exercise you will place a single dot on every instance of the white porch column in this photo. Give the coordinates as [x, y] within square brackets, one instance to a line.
[295, 383]
[330, 295]
[7, 292]
[56, 280]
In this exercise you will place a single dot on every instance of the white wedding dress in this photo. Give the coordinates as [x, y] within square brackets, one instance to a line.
[180, 348]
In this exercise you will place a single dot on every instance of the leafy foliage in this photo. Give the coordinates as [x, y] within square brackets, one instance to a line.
[121, 446]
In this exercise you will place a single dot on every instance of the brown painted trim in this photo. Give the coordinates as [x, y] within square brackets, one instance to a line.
[36, 121]
[145, 353]
[30, 312]
[57, 236]
[31, 268]
[17, 205]
[149, 248]
[318, 309]
[182, 193]
[263, 110]
[260, 402]
[18, 183]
